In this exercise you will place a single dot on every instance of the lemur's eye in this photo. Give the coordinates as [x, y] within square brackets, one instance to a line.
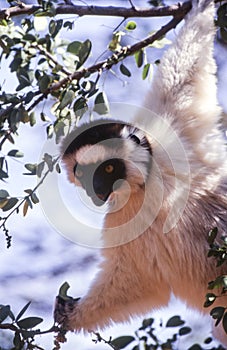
[109, 168]
[79, 173]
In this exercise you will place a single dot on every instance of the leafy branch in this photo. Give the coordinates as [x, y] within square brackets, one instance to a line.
[13, 204]
[146, 337]
[23, 327]
[108, 63]
[218, 250]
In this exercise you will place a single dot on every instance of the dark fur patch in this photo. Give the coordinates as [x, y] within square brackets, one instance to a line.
[90, 134]
[97, 131]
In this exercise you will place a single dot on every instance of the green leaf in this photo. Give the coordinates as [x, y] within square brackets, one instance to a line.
[31, 167]
[208, 340]
[23, 310]
[146, 69]
[58, 168]
[184, 330]
[218, 282]
[136, 347]
[32, 119]
[74, 47]
[210, 299]
[131, 25]
[147, 322]
[212, 235]
[55, 27]
[24, 78]
[15, 153]
[15, 64]
[3, 174]
[44, 82]
[101, 104]
[122, 342]
[44, 117]
[224, 322]
[50, 131]
[17, 341]
[40, 168]
[59, 129]
[85, 51]
[174, 321]
[195, 347]
[23, 116]
[89, 87]
[2, 160]
[10, 139]
[29, 37]
[29, 191]
[49, 161]
[68, 25]
[3, 194]
[139, 57]
[28, 98]
[10, 203]
[63, 290]
[217, 314]
[222, 16]
[80, 106]
[67, 99]
[3, 202]
[4, 312]
[4, 23]
[124, 70]
[29, 322]
[34, 198]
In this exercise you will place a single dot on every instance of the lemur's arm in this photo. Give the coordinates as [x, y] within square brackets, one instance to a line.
[118, 292]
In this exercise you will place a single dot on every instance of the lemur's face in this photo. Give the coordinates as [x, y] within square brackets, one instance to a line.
[106, 158]
[100, 179]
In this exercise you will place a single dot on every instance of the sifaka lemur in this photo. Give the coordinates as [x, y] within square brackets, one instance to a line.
[164, 180]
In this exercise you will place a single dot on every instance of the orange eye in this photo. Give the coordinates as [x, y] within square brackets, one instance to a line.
[109, 169]
[79, 173]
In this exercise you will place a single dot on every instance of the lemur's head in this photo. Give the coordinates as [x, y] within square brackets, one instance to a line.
[105, 157]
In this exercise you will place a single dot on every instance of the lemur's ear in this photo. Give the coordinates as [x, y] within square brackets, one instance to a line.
[134, 138]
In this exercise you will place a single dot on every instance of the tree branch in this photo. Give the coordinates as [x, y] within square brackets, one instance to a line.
[91, 10]
[14, 328]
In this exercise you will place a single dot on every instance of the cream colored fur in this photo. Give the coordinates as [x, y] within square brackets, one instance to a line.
[141, 274]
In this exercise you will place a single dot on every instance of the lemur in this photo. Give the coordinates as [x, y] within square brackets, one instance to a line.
[164, 180]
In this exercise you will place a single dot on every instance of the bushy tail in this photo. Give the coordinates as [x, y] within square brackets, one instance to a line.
[184, 89]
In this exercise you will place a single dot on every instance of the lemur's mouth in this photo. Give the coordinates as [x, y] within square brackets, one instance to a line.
[100, 199]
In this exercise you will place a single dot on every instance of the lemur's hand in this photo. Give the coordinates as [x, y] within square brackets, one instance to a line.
[64, 306]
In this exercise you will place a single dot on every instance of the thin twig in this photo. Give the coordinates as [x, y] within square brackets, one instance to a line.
[50, 57]
[101, 339]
